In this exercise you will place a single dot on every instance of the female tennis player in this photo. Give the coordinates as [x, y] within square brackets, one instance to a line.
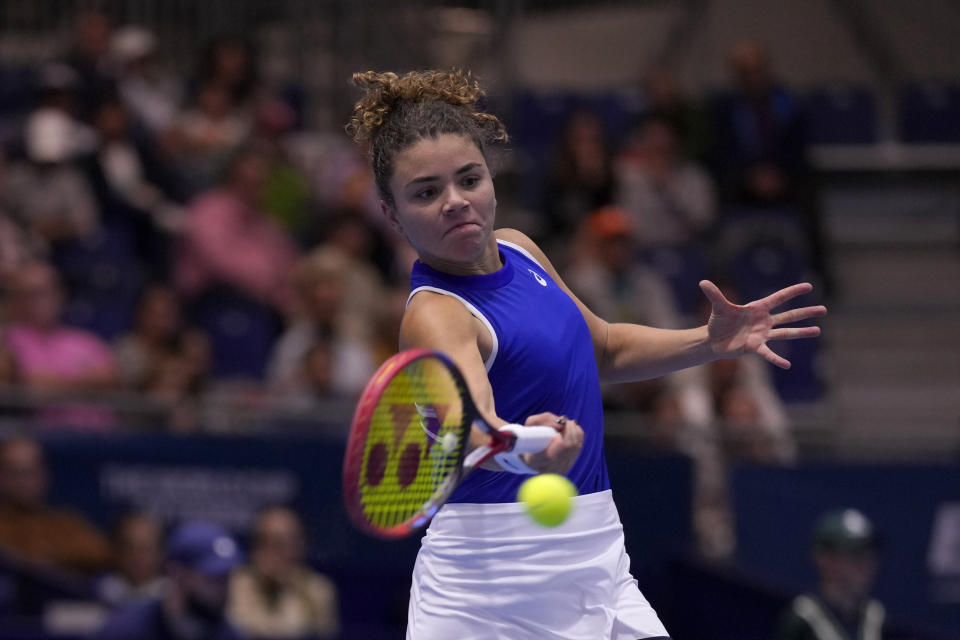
[531, 353]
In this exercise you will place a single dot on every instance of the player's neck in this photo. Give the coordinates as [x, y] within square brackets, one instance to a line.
[487, 263]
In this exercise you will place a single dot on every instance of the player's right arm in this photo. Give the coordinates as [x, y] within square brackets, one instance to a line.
[441, 323]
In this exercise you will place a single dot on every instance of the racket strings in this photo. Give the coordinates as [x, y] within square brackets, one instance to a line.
[414, 445]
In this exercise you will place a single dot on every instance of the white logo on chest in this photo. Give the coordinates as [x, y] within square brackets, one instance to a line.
[538, 277]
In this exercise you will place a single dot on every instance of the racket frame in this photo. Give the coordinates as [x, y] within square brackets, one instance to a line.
[466, 462]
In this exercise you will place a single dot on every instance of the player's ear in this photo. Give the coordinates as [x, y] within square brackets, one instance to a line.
[390, 213]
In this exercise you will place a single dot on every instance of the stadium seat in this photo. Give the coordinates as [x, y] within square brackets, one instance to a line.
[802, 382]
[17, 86]
[242, 332]
[683, 268]
[618, 110]
[930, 112]
[842, 114]
[103, 278]
[765, 265]
[537, 119]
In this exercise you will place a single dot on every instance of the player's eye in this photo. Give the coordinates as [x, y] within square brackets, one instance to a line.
[425, 194]
[470, 181]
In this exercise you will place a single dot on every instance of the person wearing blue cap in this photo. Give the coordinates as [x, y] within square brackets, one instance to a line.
[845, 553]
[199, 559]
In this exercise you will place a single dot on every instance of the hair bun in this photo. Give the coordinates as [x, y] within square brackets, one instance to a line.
[383, 91]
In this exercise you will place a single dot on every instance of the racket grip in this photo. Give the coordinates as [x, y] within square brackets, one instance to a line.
[529, 439]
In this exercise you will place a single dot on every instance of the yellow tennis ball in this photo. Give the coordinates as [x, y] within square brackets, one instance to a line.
[548, 498]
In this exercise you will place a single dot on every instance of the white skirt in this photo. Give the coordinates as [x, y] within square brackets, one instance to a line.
[486, 571]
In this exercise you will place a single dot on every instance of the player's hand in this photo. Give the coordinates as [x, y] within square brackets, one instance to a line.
[563, 450]
[738, 329]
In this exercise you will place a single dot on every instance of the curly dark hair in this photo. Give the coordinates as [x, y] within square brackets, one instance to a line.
[397, 111]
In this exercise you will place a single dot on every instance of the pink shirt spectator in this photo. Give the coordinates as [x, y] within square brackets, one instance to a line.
[228, 242]
[63, 353]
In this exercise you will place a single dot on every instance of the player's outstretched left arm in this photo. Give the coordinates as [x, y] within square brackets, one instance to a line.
[629, 352]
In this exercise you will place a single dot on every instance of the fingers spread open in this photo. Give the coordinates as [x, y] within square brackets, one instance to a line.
[778, 298]
[773, 358]
[795, 315]
[793, 333]
[713, 293]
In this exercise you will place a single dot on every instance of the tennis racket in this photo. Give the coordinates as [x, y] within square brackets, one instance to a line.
[407, 447]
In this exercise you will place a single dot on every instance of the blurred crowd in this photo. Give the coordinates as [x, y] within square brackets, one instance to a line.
[167, 237]
[142, 581]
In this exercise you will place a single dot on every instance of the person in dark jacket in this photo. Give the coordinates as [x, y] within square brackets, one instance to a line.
[845, 554]
[199, 559]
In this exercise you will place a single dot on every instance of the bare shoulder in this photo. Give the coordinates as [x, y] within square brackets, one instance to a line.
[433, 318]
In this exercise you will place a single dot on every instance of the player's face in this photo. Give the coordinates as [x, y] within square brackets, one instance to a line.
[444, 203]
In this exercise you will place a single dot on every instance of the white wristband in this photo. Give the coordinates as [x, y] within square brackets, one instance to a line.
[511, 462]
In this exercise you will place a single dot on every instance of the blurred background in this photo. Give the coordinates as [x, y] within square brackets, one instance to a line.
[197, 283]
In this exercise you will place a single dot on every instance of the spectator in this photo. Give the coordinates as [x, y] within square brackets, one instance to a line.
[321, 282]
[89, 56]
[749, 411]
[760, 158]
[286, 194]
[229, 242]
[606, 275]
[205, 136]
[11, 409]
[35, 531]
[199, 559]
[670, 199]
[581, 179]
[17, 244]
[158, 336]
[134, 189]
[149, 90]
[361, 247]
[845, 555]
[9, 370]
[52, 357]
[277, 596]
[318, 372]
[387, 327]
[165, 360]
[138, 557]
[760, 144]
[608, 278]
[45, 193]
[231, 62]
[690, 121]
[745, 436]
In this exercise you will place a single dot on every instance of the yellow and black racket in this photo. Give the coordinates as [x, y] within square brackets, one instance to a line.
[407, 449]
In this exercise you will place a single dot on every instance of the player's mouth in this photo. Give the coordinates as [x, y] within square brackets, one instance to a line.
[462, 227]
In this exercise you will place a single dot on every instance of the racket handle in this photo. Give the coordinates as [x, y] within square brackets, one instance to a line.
[527, 440]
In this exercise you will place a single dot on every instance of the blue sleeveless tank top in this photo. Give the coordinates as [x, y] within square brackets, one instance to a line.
[542, 360]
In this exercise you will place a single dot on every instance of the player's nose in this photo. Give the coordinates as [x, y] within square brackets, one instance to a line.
[453, 200]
